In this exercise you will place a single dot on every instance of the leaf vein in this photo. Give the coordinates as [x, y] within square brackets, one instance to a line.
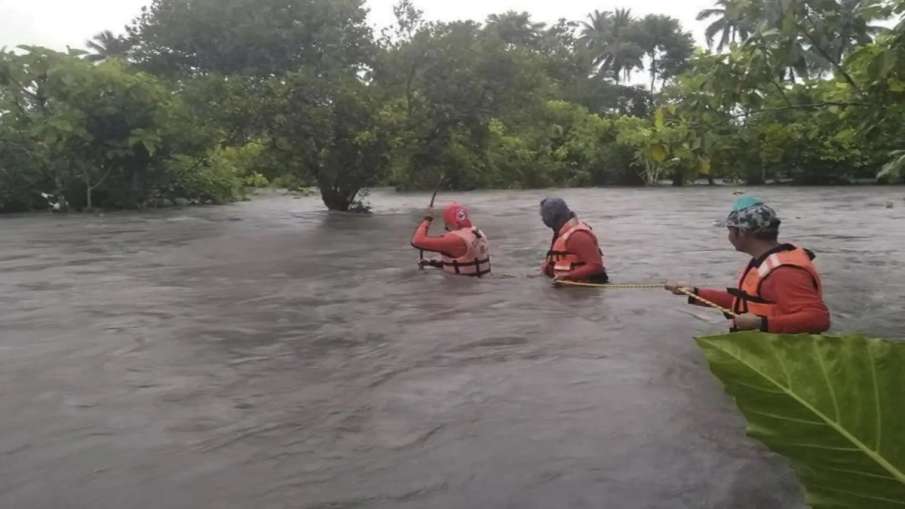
[756, 388]
[826, 378]
[862, 473]
[817, 446]
[782, 366]
[868, 497]
[790, 419]
[873, 371]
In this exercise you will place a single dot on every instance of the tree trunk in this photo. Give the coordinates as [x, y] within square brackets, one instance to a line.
[653, 76]
[337, 199]
[88, 190]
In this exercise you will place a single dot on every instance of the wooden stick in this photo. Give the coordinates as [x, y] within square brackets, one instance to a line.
[433, 198]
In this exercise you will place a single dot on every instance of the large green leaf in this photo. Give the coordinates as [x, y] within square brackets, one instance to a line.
[834, 406]
[659, 119]
[657, 152]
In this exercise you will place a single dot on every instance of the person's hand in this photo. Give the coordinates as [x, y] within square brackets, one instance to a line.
[676, 287]
[429, 215]
[748, 321]
[430, 263]
[547, 269]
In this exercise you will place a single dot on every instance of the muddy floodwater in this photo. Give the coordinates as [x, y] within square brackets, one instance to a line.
[269, 354]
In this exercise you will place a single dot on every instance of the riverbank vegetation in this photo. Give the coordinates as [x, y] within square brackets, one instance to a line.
[197, 100]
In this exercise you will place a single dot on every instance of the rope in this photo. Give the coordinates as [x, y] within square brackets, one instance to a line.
[617, 286]
[614, 286]
[702, 300]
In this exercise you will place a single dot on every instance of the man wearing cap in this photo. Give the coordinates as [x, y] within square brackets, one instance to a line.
[780, 290]
[463, 249]
[574, 253]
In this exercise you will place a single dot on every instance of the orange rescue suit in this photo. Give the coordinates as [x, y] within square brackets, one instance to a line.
[475, 261]
[748, 298]
[560, 258]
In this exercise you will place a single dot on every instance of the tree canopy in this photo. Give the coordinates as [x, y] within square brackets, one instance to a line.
[198, 99]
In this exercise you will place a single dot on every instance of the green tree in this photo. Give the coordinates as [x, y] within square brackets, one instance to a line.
[108, 45]
[453, 79]
[666, 45]
[99, 135]
[734, 22]
[253, 37]
[611, 39]
[516, 28]
[329, 132]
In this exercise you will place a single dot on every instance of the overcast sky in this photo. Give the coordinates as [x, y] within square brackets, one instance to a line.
[56, 23]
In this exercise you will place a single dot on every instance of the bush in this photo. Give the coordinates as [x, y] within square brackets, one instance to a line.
[214, 178]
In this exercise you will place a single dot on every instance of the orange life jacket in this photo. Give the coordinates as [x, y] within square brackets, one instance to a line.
[559, 256]
[475, 261]
[748, 298]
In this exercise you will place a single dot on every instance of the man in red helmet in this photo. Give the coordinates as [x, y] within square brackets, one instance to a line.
[463, 248]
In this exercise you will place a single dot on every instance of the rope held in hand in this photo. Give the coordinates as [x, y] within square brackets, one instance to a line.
[617, 286]
[712, 304]
[609, 285]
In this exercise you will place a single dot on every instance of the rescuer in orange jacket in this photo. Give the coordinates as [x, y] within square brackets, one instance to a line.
[574, 253]
[464, 249]
[780, 289]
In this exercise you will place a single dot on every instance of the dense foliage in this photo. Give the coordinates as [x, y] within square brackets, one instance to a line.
[201, 98]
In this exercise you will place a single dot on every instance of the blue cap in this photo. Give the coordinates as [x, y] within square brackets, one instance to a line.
[746, 201]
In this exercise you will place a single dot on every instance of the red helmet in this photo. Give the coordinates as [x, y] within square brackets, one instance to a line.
[456, 215]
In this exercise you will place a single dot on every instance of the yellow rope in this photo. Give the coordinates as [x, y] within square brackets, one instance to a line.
[702, 300]
[609, 285]
[617, 286]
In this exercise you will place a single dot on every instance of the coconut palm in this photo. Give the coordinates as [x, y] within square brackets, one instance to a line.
[732, 23]
[847, 24]
[612, 41]
[516, 28]
[107, 45]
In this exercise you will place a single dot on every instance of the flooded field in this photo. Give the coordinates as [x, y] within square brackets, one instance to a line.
[270, 354]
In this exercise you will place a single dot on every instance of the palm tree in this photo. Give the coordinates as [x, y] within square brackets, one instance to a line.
[847, 25]
[107, 45]
[610, 38]
[595, 30]
[813, 39]
[666, 45]
[516, 28]
[732, 22]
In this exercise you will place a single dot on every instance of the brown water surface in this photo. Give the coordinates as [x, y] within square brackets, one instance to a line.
[272, 355]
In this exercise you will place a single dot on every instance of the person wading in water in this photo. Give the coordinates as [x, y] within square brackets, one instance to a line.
[574, 253]
[463, 250]
[779, 290]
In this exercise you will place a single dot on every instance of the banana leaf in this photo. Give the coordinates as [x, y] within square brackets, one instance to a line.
[834, 406]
